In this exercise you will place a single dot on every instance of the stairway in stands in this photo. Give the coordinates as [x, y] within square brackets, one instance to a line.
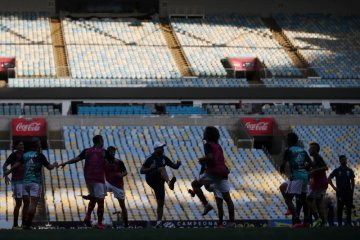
[291, 50]
[62, 69]
[175, 48]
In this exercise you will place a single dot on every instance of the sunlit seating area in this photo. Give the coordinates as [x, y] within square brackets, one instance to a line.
[329, 43]
[206, 41]
[107, 48]
[27, 37]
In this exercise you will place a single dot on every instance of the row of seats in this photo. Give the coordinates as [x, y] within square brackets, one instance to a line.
[113, 110]
[27, 37]
[298, 109]
[310, 83]
[206, 41]
[110, 83]
[8, 109]
[335, 140]
[118, 48]
[329, 43]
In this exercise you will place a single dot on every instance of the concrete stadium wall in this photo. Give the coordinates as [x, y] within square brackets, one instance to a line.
[259, 7]
[284, 122]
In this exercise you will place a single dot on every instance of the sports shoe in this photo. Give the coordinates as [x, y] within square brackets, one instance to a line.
[221, 226]
[172, 183]
[230, 225]
[317, 223]
[288, 212]
[87, 221]
[191, 192]
[27, 227]
[207, 209]
[16, 228]
[301, 225]
[100, 226]
[158, 224]
[86, 197]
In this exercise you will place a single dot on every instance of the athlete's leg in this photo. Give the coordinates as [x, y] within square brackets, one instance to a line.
[18, 203]
[124, 214]
[230, 205]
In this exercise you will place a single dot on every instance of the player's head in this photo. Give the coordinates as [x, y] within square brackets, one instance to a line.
[292, 139]
[343, 160]
[18, 145]
[159, 148]
[314, 148]
[112, 150]
[35, 144]
[98, 140]
[211, 134]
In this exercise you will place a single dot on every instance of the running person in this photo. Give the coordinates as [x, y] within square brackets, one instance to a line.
[16, 178]
[299, 162]
[156, 176]
[34, 160]
[94, 173]
[318, 185]
[115, 170]
[216, 173]
[345, 185]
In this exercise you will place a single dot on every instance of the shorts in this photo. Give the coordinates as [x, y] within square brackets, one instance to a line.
[297, 187]
[17, 189]
[316, 194]
[32, 189]
[220, 187]
[206, 179]
[118, 192]
[96, 190]
[158, 187]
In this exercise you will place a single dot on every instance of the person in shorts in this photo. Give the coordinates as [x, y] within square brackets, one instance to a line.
[94, 174]
[318, 185]
[299, 162]
[215, 174]
[34, 161]
[17, 176]
[115, 171]
[156, 176]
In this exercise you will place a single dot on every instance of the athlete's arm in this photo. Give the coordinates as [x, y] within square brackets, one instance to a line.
[169, 163]
[331, 176]
[74, 160]
[8, 171]
[71, 161]
[46, 163]
[147, 166]
[286, 158]
[122, 168]
[352, 181]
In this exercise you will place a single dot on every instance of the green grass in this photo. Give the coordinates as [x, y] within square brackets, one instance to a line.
[187, 234]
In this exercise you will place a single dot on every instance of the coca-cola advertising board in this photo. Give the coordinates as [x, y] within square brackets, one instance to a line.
[29, 127]
[258, 126]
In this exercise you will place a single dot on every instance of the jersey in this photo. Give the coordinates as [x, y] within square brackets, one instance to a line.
[216, 166]
[33, 162]
[17, 174]
[159, 161]
[94, 169]
[112, 169]
[343, 176]
[298, 158]
[318, 179]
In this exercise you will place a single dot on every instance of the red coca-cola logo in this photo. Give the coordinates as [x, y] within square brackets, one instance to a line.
[31, 127]
[260, 126]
